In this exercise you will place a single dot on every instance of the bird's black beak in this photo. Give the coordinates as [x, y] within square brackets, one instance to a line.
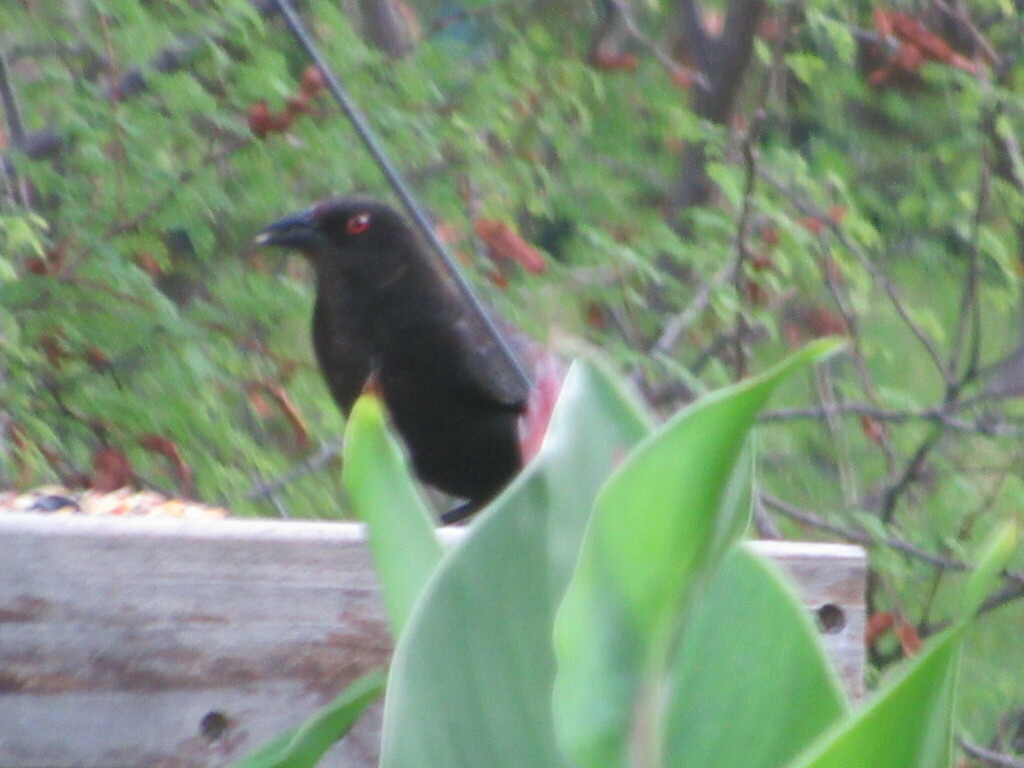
[296, 231]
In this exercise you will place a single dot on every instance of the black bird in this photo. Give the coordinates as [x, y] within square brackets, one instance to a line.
[383, 308]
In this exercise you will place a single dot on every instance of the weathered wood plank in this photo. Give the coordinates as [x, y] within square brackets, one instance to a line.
[119, 636]
[830, 579]
[181, 644]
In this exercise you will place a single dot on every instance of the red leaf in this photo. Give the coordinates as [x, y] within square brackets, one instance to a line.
[312, 81]
[872, 430]
[927, 43]
[20, 442]
[623, 62]
[877, 624]
[37, 266]
[447, 233]
[148, 264]
[882, 20]
[255, 391]
[504, 244]
[596, 317]
[816, 224]
[110, 470]
[279, 122]
[812, 224]
[822, 322]
[259, 403]
[756, 293]
[54, 349]
[169, 450]
[917, 43]
[770, 29]
[290, 412]
[910, 641]
[298, 104]
[908, 58]
[98, 361]
[837, 213]
[496, 278]
[770, 235]
[879, 77]
[801, 322]
[259, 119]
[684, 77]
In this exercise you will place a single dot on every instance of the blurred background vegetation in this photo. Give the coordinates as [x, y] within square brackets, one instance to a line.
[687, 189]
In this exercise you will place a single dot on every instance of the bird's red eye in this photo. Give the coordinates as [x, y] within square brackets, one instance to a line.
[358, 224]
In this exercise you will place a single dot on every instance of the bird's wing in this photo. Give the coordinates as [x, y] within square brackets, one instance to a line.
[344, 355]
[484, 368]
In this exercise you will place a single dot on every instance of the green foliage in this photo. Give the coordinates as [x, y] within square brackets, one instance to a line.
[668, 515]
[304, 746]
[402, 533]
[675, 682]
[478, 646]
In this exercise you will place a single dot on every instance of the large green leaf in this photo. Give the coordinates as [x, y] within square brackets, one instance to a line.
[664, 518]
[401, 532]
[909, 724]
[472, 673]
[785, 695]
[302, 747]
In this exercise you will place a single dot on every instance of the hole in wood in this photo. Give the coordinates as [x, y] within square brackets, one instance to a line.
[213, 725]
[831, 619]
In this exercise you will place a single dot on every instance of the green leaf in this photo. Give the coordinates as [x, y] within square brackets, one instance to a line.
[663, 519]
[907, 726]
[998, 551]
[748, 618]
[806, 66]
[384, 496]
[303, 747]
[472, 673]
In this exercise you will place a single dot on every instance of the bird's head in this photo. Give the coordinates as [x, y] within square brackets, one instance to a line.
[351, 235]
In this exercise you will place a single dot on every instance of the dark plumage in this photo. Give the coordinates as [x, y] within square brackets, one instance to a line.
[383, 308]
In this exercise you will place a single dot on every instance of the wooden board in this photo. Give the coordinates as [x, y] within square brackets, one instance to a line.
[185, 644]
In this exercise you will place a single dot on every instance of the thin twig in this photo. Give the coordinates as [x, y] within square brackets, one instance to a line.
[279, 507]
[15, 129]
[1012, 588]
[12, 113]
[47, 143]
[677, 326]
[852, 321]
[910, 473]
[861, 537]
[989, 756]
[877, 275]
[154, 206]
[117, 150]
[740, 244]
[935, 415]
[836, 435]
[969, 316]
[671, 65]
[327, 452]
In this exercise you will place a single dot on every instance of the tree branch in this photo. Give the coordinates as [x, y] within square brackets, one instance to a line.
[989, 756]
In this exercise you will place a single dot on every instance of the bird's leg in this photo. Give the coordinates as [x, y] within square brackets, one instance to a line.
[460, 512]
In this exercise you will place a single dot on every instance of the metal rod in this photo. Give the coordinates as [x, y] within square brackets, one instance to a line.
[393, 177]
